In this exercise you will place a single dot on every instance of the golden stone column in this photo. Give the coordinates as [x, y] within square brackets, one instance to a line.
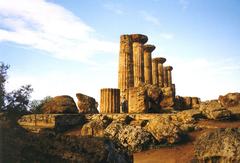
[155, 62]
[110, 100]
[125, 70]
[169, 75]
[165, 77]
[160, 71]
[174, 89]
[148, 49]
[138, 62]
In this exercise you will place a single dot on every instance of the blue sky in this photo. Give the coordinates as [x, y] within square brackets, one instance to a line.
[70, 46]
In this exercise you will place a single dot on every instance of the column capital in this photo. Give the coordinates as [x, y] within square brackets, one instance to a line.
[139, 38]
[149, 48]
[162, 60]
[169, 68]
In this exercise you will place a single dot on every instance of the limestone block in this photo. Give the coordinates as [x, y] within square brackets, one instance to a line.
[86, 104]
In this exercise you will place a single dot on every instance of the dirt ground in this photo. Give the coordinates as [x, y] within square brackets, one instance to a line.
[182, 153]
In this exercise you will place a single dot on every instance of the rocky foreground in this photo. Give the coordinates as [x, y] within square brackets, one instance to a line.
[115, 137]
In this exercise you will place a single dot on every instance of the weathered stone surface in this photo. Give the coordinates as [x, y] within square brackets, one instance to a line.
[230, 100]
[60, 104]
[125, 71]
[148, 49]
[221, 145]
[139, 38]
[132, 137]
[161, 71]
[214, 110]
[195, 102]
[138, 101]
[138, 63]
[18, 145]
[96, 126]
[155, 75]
[86, 104]
[168, 97]
[164, 130]
[145, 98]
[56, 122]
[169, 75]
[110, 100]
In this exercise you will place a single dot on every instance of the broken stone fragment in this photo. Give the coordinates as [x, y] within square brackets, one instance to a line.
[60, 104]
[86, 104]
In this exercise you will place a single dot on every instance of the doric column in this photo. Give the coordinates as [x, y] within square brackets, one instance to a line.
[165, 77]
[169, 75]
[174, 89]
[148, 63]
[160, 71]
[110, 100]
[138, 62]
[125, 70]
[155, 62]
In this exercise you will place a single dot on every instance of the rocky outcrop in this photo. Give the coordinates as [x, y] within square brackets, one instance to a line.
[230, 100]
[38, 123]
[168, 97]
[221, 145]
[214, 110]
[17, 145]
[86, 104]
[96, 126]
[164, 130]
[60, 104]
[134, 138]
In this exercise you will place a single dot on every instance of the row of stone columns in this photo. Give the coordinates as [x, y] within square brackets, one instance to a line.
[136, 66]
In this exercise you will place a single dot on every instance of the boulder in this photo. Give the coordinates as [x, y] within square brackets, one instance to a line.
[164, 130]
[230, 100]
[86, 104]
[220, 145]
[138, 100]
[213, 110]
[95, 127]
[134, 138]
[168, 97]
[60, 105]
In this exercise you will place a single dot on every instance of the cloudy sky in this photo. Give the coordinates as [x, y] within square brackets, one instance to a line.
[69, 46]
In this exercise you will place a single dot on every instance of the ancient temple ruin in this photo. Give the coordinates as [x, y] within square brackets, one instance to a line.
[144, 83]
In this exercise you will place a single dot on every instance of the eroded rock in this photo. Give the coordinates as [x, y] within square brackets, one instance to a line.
[220, 145]
[60, 104]
[86, 104]
[213, 110]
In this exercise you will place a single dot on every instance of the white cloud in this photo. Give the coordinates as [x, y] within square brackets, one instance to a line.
[115, 8]
[150, 18]
[184, 4]
[167, 36]
[49, 27]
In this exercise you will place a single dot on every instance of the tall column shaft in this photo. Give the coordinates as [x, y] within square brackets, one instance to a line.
[165, 76]
[148, 63]
[138, 63]
[160, 71]
[147, 68]
[169, 76]
[125, 70]
[138, 60]
[110, 100]
[155, 62]
[160, 75]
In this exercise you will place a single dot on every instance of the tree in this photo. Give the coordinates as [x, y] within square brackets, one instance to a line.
[36, 105]
[3, 78]
[16, 102]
